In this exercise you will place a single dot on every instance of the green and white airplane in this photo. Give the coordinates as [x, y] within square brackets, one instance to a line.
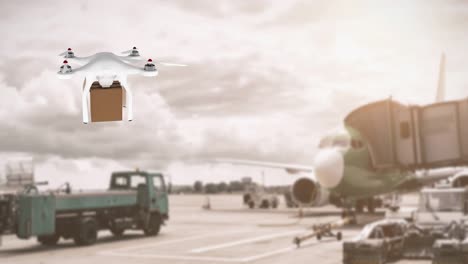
[344, 175]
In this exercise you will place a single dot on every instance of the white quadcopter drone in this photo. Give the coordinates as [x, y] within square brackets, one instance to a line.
[105, 68]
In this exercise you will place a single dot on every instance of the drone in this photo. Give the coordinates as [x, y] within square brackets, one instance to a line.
[106, 70]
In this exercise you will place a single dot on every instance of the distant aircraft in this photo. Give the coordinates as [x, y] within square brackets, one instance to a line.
[105, 68]
[345, 173]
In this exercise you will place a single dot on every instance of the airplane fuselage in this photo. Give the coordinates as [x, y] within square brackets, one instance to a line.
[344, 168]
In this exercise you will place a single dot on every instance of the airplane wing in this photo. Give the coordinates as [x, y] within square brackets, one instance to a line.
[426, 178]
[289, 168]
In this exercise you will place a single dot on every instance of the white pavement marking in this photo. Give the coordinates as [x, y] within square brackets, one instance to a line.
[173, 257]
[274, 252]
[207, 258]
[124, 251]
[174, 241]
[244, 241]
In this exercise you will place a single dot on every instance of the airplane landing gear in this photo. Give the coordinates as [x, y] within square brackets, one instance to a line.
[348, 212]
[371, 205]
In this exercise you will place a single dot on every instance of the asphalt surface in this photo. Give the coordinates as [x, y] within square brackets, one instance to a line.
[228, 233]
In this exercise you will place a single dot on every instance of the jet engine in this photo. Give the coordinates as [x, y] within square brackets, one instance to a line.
[307, 192]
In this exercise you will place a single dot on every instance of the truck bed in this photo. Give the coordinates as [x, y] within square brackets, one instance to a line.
[95, 200]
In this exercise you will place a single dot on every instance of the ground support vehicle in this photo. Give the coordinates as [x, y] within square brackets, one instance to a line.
[439, 219]
[324, 230]
[255, 197]
[378, 242]
[450, 251]
[134, 200]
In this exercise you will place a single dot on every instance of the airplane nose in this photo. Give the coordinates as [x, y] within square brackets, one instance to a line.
[329, 167]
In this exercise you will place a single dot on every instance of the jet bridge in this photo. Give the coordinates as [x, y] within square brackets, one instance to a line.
[411, 136]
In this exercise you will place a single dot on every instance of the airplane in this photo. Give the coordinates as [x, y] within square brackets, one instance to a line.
[105, 68]
[343, 174]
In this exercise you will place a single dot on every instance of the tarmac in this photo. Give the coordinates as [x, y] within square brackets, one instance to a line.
[227, 233]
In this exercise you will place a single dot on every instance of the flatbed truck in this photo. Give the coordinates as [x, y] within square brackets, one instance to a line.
[135, 200]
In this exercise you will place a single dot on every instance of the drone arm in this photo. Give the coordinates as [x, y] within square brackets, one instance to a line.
[69, 74]
[132, 70]
[130, 59]
[80, 60]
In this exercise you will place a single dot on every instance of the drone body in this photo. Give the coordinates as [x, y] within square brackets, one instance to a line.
[105, 68]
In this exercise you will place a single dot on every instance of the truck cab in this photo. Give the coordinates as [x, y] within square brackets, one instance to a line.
[151, 189]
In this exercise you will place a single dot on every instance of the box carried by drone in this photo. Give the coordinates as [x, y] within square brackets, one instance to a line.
[411, 136]
[106, 103]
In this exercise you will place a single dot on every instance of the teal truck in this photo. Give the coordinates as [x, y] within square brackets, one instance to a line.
[135, 200]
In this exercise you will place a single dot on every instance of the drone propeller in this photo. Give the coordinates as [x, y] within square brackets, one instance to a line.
[132, 53]
[171, 64]
[68, 53]
[65, 70]
[150, 64]
[166, 63]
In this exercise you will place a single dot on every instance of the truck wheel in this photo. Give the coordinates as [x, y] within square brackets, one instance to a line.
[50, 240]
[251, 205]
[154, 225]
[319, 237]
[246, 198]
[87, 232]
[118, 232]
[339, 236]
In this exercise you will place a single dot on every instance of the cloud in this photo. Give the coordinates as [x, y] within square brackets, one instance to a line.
[265, 79]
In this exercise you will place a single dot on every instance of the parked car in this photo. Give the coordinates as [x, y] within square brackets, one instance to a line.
[378, 242]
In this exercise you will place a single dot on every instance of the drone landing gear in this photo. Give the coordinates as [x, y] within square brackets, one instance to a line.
[127, 98]
[85, 98]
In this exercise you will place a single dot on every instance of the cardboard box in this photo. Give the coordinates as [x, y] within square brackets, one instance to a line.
[106, 103]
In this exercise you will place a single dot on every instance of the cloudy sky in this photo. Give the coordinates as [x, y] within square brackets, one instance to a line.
[266, 79]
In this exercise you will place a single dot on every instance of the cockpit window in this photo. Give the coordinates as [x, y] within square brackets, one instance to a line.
[341, 142]
[335, 141]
